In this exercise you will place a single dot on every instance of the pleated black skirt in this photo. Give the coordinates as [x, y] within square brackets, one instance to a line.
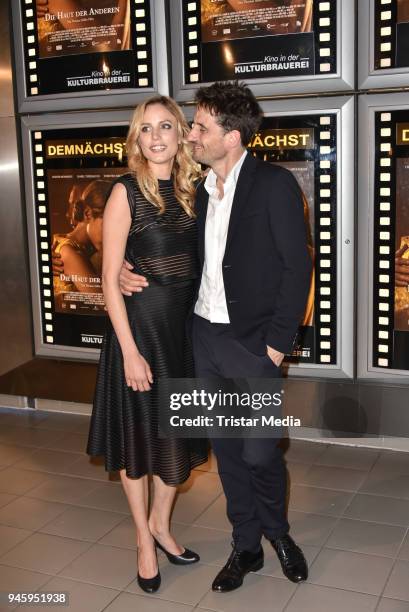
[124, 423]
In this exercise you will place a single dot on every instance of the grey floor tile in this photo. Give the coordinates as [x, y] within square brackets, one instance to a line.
[196, 495]
[297, 471]
[313, 598]
[304, 452]
[82, 597]
[72, 442]
[15, 579]
[106, 496]
[258, 593]
[340, 478]
[83, 523]
[350, 571]
[213, 546]
[18, 481]
[44, 553]
[214, 516]
[104, 565]
[63, 489]
[366, 537]
[27, 436]
[20, 418]
[317, 500]
[379, 509]
[182, 584]
[272, 565]
[11, 454]
[30, 513]
[384, 482]
[398, 583]
[311, 529]
[63, 422]
[394, 461]
[128, 602]
[6, 498]
[404, 551]
[89, 468]
[348, 457]
[10, 537]
[392, 605]
[48, 461]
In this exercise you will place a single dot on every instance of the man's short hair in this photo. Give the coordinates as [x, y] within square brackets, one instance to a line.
[234, 106]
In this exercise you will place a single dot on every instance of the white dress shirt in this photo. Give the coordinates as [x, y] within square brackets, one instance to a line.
[211, 303]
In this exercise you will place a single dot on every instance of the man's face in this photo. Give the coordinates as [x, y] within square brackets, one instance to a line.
[208, 138]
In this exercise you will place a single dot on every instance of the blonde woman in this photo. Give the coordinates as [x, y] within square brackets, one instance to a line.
[149, 220]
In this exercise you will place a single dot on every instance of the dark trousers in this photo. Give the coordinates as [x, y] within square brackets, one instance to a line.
[252, 470]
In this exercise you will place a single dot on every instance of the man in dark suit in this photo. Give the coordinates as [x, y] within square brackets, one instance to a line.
[255, 275]
[254, 285]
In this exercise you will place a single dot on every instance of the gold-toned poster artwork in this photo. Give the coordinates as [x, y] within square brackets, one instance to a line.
[70, 27]
[403, 11]
[230, 19]
[402, 245]
[77, 200]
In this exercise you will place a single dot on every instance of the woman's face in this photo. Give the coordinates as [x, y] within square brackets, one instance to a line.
[158, 138]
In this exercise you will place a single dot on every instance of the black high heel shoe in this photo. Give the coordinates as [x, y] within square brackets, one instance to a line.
[186, 558]
[149, 585]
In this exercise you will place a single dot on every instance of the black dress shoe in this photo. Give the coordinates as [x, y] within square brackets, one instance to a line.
[149, 585]
[186, 558]
[240, 563]
[291, 557]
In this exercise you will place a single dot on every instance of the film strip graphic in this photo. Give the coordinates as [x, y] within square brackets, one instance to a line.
[325, 35]
[326, 242]
[384, 238]
[140, 36]
[324, 20]
[385, 34]
[45, 271]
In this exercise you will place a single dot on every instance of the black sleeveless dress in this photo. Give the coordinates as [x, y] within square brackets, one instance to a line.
[124, 423]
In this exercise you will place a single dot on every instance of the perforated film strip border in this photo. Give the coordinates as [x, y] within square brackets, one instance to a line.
[324, 28]
[141, 38]
[326, 242]
[385, 33]
[383, 264]
[45, 271]
[325, 32]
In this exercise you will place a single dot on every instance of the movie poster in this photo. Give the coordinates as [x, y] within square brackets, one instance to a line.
[402, 33]
[80, 167]
[76, 206]
[89, 45]
[402, 245]
[293, 148]
[262, 38]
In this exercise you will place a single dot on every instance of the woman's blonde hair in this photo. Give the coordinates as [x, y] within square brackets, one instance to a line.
[184, 172]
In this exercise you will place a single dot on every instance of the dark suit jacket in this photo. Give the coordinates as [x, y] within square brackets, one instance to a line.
[266, 265]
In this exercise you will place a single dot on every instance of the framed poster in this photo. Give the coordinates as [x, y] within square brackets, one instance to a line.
[70, 163]
[88, 53]
[384, 236]
[314, 139]
[277, 46]
[383, 54]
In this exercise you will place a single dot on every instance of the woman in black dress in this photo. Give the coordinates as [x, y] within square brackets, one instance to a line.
[149, 220]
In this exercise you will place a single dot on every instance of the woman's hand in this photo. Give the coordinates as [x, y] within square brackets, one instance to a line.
[138, 373]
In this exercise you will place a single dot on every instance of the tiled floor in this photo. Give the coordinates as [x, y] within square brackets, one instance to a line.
[65, 526]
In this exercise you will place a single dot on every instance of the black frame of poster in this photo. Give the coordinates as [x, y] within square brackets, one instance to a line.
[56, 75]
[79, 147]
[383, 45]
[297, 62]
[382, 343]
